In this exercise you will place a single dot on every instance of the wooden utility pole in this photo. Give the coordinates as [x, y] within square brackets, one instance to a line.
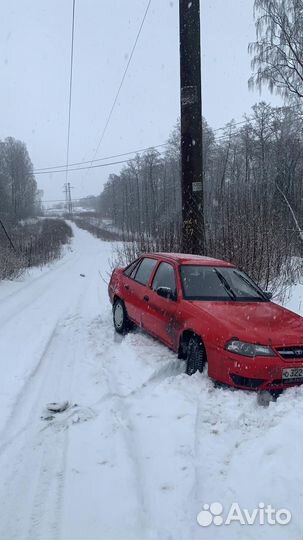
[193, 231]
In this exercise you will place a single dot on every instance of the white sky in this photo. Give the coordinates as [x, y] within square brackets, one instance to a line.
[34, 74]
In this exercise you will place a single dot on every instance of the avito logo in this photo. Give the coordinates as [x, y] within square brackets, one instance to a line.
[264, 514]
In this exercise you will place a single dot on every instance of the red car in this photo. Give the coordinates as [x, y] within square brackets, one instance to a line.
[209, 311]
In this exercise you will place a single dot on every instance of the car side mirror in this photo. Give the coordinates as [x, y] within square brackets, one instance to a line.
[268, 295]
[166, 292]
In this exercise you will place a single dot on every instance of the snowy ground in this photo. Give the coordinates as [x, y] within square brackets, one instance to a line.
[142, 447]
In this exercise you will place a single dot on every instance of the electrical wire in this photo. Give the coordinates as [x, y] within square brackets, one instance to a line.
[122, 80]
[88, 167]
[50, 169]
[219, 138]
[70, 88]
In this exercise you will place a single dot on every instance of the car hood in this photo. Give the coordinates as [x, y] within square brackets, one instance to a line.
[255, 322]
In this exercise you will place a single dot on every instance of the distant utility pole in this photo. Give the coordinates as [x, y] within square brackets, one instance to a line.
[68, 198]
[7, 235]
[193, 230]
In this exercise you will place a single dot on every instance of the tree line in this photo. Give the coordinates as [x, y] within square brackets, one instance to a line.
[24, 242]
[252, 173]
[252, 192]
[19, 195]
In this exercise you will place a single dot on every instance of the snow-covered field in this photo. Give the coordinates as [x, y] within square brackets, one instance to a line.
[142, 447]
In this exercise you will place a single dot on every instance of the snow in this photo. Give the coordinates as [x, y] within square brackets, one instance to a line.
[141, 447]
[294, 298]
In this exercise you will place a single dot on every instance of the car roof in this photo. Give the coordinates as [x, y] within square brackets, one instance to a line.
[185, 258]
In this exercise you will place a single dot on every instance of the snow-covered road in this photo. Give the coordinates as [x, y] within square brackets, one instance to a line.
[142, 447]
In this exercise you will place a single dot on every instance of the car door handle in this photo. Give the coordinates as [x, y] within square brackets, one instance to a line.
[146, 298]
[126, 287]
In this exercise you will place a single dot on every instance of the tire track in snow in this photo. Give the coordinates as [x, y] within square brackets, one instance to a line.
[119, 411]
[119, 407]
[33, 471]
[122, 404]
[48, 504]
[23, 305]
[39, 464]
[167, 368]
[29, 470]
[56, 441]
[24, 398]
[160, 375]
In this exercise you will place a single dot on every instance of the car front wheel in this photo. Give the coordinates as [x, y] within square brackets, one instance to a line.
[122, 323]
[196, 356]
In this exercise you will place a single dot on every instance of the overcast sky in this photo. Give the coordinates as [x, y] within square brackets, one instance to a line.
[34, 74]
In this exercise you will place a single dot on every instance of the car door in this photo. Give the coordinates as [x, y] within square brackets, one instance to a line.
[127, 292]
[135, 288]
[161, 317]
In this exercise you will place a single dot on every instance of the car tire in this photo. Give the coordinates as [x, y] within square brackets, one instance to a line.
[121, 321]
[196, 356]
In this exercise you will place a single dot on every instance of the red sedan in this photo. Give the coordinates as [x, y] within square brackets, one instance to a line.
[209, 311]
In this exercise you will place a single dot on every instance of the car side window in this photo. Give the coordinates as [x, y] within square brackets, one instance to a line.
[131, 269]
[165, 277]
[145, 270]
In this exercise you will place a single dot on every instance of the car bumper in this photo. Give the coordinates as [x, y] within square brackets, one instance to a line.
[260, 373]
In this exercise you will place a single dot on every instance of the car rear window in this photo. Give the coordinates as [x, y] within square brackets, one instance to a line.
[145, 270]
[130, 270]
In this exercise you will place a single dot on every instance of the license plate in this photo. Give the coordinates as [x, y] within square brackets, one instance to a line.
[292, 373]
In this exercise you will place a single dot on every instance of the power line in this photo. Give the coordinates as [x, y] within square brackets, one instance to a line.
[88, 167]
[56, 200]
[100, 159]
[59, 200]
[67, 169]
[234, 124]
[221, 138]
[122, 80]
[54, 170]
[63, 168]
[70, 87]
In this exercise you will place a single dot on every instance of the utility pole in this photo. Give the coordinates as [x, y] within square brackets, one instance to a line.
[193, 230]
[70, 204]
[7, 235]
[68, 198]
[66, 201]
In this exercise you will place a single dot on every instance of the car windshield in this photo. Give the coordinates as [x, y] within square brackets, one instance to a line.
[219, 283]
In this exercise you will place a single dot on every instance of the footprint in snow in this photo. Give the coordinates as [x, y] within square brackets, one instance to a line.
[167, 488]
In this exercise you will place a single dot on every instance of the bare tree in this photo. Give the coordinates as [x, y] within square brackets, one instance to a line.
[253, 194]
[278, 51]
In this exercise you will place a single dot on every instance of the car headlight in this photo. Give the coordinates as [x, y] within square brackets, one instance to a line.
[249, 349]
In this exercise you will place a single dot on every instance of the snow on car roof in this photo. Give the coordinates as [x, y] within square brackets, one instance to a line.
[185, 258]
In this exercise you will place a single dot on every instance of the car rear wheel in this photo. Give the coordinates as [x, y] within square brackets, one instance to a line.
[122, 323]
[196, 356]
